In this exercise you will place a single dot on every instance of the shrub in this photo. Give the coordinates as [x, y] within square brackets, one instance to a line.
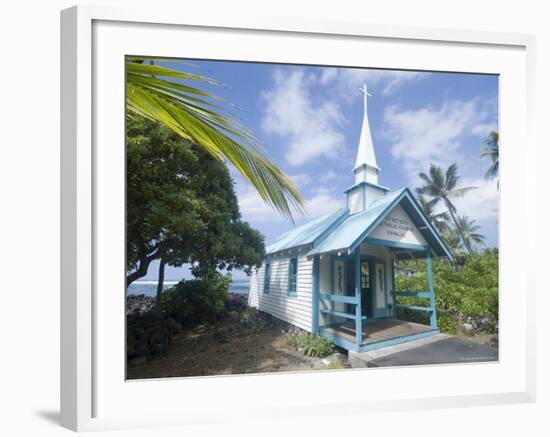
[311, 345]
[249, 313]
[470, 289]
[445, 323]
[196, 301]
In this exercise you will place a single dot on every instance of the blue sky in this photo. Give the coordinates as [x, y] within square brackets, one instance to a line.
[308, 119]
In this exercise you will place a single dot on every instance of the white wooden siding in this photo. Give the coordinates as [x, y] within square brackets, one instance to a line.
[372, 194]
[292, 309]
[355, 201]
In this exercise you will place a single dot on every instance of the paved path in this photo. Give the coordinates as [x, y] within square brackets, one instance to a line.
[445, 350]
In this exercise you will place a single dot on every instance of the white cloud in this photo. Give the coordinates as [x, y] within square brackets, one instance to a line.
[253, 208]
[430, 135]
[483, 129]
[300, 180]
[322, 204]
[328, 75]
[349, 80]
[480, 204]
[312, 130]
[323, 189]
[328, 176]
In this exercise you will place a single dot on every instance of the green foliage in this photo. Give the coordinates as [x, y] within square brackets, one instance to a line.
[311, 345]
[170, 97]
[469, 230]
[490, 150]
[470, 289]
[249, 313]
[181, 206]
[441, 187]
[445, 323]
[196, 301]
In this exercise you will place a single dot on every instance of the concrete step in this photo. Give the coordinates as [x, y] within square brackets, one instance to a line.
[362, 359]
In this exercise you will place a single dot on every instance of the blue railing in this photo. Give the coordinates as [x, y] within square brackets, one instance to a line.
[338, 298]
[418, 294]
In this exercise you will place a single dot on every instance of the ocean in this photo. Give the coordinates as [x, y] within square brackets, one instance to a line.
[149, 288]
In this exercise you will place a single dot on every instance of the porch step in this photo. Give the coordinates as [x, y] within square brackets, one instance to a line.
[362, 359]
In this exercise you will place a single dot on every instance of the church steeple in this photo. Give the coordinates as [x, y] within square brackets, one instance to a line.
[366, 169]
[366, 188]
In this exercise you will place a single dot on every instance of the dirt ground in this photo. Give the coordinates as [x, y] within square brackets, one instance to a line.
[236, 345]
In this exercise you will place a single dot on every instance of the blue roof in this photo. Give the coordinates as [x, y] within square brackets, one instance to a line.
[307, 233]
[355, 228]
[343, 237]
[341, 231]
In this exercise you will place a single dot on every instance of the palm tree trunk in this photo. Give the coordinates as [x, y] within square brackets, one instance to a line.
[466, 243]
[160, 286]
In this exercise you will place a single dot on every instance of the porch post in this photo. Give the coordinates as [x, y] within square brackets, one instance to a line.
[315, 297]
[433, 317]
[393, 290]
[358, 316]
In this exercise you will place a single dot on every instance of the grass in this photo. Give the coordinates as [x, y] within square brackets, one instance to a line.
[311, 345]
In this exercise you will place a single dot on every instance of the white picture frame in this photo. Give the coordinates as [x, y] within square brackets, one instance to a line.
[93, 395]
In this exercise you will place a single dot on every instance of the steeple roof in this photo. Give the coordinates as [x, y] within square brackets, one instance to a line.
[365, 149]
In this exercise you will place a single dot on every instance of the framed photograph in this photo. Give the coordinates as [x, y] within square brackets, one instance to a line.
[268, 211]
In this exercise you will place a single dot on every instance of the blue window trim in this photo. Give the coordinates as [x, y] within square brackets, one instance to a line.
[267, 277]
[290, 292]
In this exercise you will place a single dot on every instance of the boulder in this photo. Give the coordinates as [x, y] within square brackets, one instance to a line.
[468, 328]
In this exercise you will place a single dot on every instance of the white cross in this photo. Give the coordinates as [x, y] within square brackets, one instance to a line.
[365, 93]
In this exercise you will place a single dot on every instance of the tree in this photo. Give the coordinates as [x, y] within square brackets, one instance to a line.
[181, 207]
[443, 188]
[165, 95]
[439, 220]
[452, 240]
[490, 150]
[469, 231]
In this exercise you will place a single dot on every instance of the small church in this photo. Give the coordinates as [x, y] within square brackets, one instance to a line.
[335, 275]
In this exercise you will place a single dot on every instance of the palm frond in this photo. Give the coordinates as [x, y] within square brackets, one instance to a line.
[157, 93]
[437, 177]
[468, 228]
[459, 192]
[492, 171]
[451, 177]
[490, 150]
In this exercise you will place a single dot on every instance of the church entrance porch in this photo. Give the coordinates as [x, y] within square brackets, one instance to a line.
[358, 309]
[380, 331]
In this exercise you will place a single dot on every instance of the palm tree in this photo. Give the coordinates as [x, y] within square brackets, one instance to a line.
[452, 239]
[490, 150]
[443, 188]
[468, 229]
[164, 95]
[439, 220]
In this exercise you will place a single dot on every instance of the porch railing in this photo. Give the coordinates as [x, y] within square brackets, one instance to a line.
[418, 294]
[338, 298]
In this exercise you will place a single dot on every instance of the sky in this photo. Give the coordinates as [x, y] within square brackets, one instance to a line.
[308, 120]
